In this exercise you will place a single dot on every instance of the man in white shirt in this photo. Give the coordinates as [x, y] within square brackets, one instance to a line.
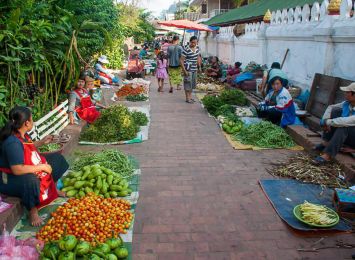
[338, 123]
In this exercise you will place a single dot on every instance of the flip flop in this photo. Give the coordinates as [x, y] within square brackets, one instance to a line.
[64, 138]
[319, 161]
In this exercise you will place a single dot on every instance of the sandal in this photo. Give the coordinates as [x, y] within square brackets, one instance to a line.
[319, 161]
[189, 101]
[64, 138]
[171, 90]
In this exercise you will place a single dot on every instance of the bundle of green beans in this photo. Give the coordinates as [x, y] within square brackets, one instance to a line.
[111, 159]
[265, 135]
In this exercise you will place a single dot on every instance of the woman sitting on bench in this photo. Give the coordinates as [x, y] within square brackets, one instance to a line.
[80, 102]
[338, 123]
[24, 172]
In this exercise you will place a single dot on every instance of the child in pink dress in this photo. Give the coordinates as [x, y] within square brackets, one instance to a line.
[161, 72]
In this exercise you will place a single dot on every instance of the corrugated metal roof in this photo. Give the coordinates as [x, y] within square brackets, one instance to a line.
[256, 10]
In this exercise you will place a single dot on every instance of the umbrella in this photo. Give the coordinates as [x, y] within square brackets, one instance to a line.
[186, 24]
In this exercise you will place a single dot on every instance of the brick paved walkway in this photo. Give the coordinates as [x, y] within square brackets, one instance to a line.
[200, 199]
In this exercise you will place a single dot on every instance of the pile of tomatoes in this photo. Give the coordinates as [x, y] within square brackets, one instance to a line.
[130, 90]
[92, 218]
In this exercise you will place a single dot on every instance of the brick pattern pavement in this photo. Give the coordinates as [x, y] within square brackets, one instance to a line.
[200, 199]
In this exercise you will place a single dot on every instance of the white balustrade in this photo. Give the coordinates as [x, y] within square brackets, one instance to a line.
[291, 16]
[323, 10]
[306, 13]
[298, 14]
[284, 16]
[278, 17]
[315, 12]
[273, 18]
[345, 9]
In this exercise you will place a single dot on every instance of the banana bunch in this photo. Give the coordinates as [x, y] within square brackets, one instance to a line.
[317, 214]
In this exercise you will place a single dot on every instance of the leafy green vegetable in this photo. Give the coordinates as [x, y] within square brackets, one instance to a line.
[233, 97]
[140, 118]
[49, 148]
[136, 98]
[212, 104]
[114, 160]
[115, 124]
[225, 110]
[265, 135]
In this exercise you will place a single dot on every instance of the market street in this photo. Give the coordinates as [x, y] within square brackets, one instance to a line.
[200, 199]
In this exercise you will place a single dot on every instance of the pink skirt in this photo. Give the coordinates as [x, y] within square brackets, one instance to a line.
[161, 73]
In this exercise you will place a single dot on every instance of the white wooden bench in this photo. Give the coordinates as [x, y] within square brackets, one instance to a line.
[52, 123]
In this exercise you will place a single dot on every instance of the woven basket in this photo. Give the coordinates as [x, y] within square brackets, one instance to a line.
[295, 91]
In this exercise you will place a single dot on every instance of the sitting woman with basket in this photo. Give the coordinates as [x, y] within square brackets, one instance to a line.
[25, 173]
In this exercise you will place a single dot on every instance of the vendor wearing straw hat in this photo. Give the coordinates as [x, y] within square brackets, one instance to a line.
[338, 123]
[104, 74]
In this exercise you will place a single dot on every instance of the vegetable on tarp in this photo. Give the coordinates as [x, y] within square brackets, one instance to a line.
[114, 160]
[49, 148]
[114, 124]
[265, 135]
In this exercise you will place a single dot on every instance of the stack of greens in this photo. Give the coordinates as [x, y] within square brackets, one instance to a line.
[115, 124]
[136, 98]
[219, 105]
[49, 148]
[265, 135]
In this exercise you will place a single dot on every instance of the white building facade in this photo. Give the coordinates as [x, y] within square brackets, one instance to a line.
[317, 42]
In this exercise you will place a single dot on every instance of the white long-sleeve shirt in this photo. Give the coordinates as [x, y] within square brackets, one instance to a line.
[340, 121]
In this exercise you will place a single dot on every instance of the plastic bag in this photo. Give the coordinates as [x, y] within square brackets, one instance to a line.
[11, 248]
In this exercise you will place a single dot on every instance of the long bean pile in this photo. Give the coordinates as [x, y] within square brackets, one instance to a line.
[300, 167]
[111, 159]
[265, 135]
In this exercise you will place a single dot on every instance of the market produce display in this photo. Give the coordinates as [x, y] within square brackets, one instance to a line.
[233, 97]
[130, 90]
[114, 160]
[114, 124]
[49, 147]
[212, 103]
[97, 179]
[136, 98]
[232, 126]
[265, 135]
[301, 167]
[140, 118]
[91, 218]
[69, 247]
[209, 87]
[316, 215]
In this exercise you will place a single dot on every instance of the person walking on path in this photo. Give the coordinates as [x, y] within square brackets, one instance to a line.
[161, 73]
[190, 62]
[174, 54]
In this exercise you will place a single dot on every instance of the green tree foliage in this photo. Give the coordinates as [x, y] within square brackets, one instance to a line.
[98, 15]
[45, 43]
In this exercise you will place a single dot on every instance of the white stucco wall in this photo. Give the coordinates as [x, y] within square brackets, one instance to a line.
[317, 43]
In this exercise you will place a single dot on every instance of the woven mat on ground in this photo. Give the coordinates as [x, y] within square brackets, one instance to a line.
[284, 195]
[24, 230]
[142, 135]
[239, 146]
